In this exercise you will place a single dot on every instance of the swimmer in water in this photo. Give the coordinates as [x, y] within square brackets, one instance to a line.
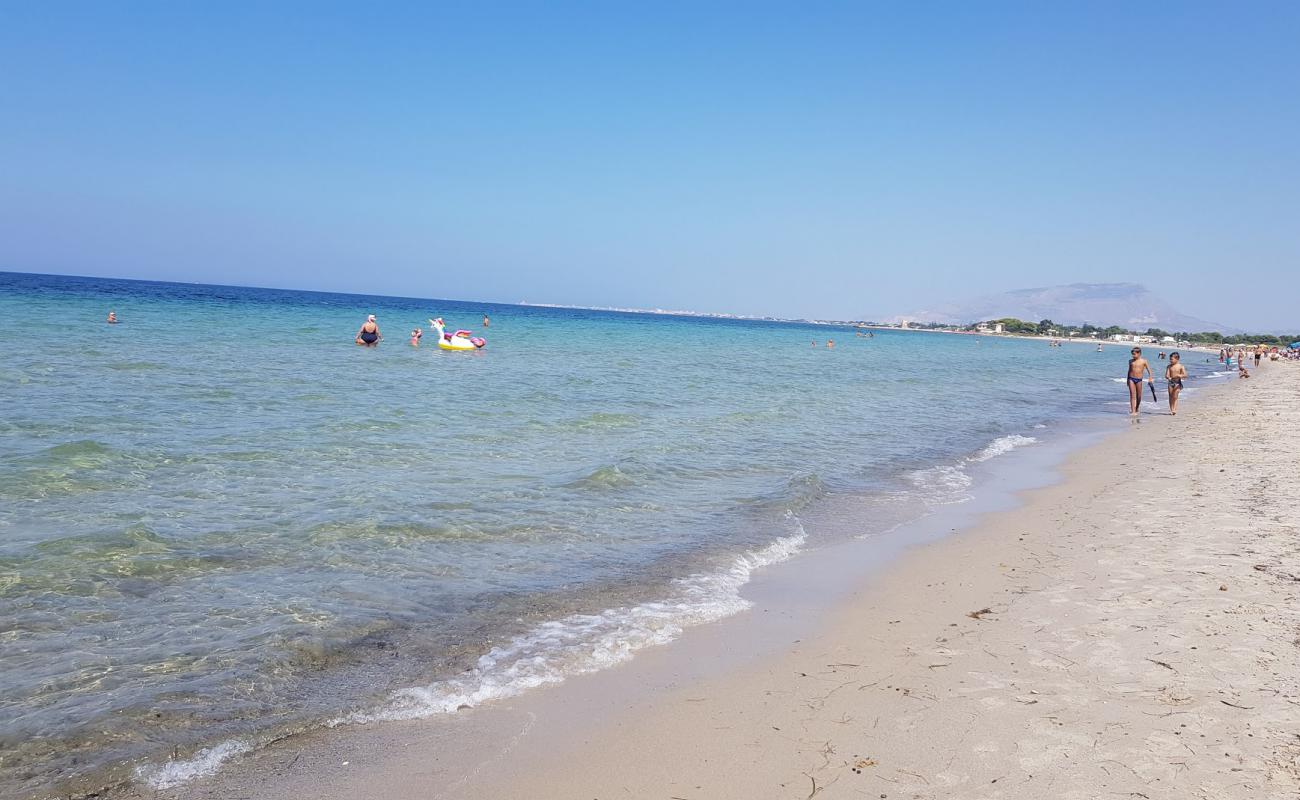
[1136, 366]
[369, 334]
[485, 320]
[830, 344]
[416, 335]
[112, 318]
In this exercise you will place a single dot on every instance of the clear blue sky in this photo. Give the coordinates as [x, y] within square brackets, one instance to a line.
[802, 159]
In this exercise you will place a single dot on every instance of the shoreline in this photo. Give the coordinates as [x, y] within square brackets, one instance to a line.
[521, 740]
[768, 575]
[1048, 651]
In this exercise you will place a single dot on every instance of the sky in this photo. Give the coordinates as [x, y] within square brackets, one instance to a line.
[829, 160]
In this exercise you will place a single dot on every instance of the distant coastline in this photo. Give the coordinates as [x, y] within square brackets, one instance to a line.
[1035, 336]
[664, 312]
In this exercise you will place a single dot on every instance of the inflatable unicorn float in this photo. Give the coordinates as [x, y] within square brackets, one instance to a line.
[460, 340]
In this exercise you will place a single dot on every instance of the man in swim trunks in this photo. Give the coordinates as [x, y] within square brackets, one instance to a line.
[1136, 366]
[112, 318]
[369, 335]
[1174, 375]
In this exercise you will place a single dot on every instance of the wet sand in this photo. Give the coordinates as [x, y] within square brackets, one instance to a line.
[1129, 631]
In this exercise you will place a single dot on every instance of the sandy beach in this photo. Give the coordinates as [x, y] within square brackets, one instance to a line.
[1128, 631]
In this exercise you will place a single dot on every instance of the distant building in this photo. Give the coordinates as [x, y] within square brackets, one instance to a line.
[997, 327]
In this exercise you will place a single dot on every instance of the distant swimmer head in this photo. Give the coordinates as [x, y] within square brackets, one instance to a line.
[370, 318]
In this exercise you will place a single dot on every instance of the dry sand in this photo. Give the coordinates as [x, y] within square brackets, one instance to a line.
[1108, 638]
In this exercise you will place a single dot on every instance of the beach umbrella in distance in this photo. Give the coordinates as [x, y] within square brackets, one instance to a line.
[1295, 345]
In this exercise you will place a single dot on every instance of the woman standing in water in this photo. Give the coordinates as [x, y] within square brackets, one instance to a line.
[1174, 375]
[369, 334]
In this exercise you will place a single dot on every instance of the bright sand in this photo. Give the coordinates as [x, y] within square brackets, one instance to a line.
[1130, 631]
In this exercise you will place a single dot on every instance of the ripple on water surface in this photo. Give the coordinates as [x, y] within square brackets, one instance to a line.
[208, 538]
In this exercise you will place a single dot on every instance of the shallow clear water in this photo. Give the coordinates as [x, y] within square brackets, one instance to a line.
[220, 518]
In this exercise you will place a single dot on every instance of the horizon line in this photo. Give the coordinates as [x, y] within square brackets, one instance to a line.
[606, 309]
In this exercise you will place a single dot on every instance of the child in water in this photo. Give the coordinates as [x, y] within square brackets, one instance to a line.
[416, 335]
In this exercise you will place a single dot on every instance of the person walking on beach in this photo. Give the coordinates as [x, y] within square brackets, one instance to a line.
[1136, 366]
[1174, 375]
[369, 334]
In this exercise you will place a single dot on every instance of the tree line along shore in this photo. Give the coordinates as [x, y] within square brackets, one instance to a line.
[1046, 327]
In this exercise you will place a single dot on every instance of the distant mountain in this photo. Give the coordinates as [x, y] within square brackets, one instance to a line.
[1129, 305]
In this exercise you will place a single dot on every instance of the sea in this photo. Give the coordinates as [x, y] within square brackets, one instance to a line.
[223, 523]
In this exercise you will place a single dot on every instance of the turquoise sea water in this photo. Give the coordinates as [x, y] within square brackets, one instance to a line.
[221, 521]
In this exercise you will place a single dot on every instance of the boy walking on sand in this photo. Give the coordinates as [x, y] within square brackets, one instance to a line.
[1174, 374]
[1136, 366]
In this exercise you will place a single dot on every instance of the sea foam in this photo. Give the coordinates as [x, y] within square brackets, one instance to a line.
[1001, 446]
[949, 483]
[205, 762]
[582, 643]
[547, 654]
